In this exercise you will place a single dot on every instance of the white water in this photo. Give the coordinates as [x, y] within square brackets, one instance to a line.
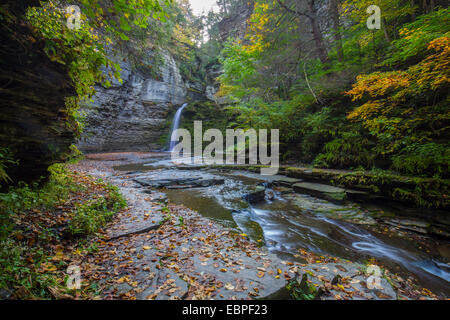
[176, 125]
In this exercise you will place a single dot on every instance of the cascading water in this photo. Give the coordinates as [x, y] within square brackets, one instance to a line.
[287, 222]
[175, 126]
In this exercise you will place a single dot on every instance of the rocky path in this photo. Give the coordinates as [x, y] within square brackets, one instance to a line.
[155, 250]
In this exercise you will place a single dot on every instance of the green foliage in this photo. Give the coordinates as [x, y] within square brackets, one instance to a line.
[349, 150]
[14, 272]
[79, 49]
[415, 37]
[87, 218]
[83, 50]
[118, 16]
[407, 111]
[303, 290]
[431, 158]
[423, 192]
[239, 69]
[6, 160]
[398, 116]
[36, 196]
[75, 155]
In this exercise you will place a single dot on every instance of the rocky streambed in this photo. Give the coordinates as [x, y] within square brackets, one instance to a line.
[199, 232]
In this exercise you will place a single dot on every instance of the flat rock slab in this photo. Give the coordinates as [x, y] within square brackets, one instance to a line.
[247, 278]
[176, 179]
[410, 225]
[320, 190]
[323, 188]
[285, 181]
[143, 213]
[196, 258]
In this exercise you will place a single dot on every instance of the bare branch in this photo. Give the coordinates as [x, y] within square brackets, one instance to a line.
[299, 13]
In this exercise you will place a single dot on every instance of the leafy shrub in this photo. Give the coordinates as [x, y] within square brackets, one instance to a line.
[16, 273]
[6, 160]
[430, 158]
[415, 37]
[26, 268]
[350, 150]
[89, 217]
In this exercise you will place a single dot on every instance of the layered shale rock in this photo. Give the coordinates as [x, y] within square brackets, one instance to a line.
[132, 115]
[34, 124]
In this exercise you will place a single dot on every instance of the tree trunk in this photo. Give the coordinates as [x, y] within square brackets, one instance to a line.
[317, 34]
[425, 6]
[334, 12]
[413, 14]
[223, 4]
[386, 34]
[314, 20]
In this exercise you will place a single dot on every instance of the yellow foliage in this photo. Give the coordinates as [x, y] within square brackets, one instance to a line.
[258, 27]
[434, 71]
[378, 84]
[391, 107]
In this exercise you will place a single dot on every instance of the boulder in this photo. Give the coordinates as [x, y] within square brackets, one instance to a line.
[257, 195]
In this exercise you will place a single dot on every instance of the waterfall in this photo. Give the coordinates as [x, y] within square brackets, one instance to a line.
[176, 124]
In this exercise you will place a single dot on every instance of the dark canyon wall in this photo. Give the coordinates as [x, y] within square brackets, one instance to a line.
[32, 91]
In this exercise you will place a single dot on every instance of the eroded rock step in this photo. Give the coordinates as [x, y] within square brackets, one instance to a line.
[202, 260]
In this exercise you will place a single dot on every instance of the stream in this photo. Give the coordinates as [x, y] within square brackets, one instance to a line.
[285, 221]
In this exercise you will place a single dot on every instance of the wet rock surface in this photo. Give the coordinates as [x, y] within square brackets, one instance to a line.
[321, 190]
[253, 255]
[256, 196]
[347, 281]
[177, 180]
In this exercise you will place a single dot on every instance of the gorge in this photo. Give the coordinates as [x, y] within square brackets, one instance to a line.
[356, 148]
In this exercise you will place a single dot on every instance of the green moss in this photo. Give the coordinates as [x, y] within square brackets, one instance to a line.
[423, 192]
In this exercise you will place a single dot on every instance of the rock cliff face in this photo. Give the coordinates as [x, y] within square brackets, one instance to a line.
[136, 115]
[131, 116]
[235, 25]
[34, 124]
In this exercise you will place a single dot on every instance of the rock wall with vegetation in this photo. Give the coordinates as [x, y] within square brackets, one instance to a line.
[36, 130]
[211, 114]
[131, 116]
[161, 68]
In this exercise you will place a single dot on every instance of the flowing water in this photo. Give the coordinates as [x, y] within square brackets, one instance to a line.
[289, 222]
[176, 125]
